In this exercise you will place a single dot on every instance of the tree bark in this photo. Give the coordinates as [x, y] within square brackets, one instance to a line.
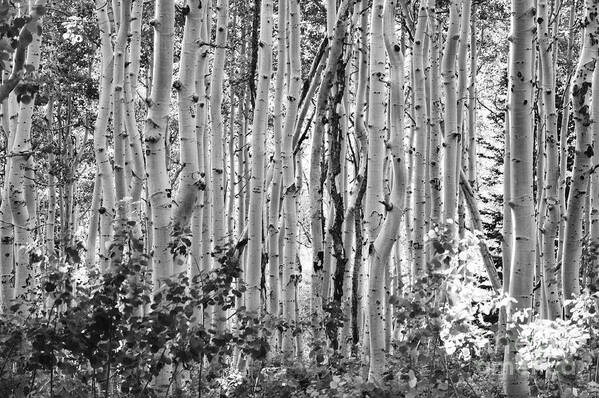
[521, 189]
[254, 265]
[581, 90]
[452, 131]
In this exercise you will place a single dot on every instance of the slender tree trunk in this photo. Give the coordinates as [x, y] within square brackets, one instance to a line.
[7, 259]
[472, 145]
[379, 251]
[452, 130]
[374, 207]
[593, 272]
[138, 173]
[218, 183]
[120, 135]
[435, 128]
[201, 215]
[156, 128]
[259, 125]
[100, 132]
[316, 217]
[51, 212]
[94, 218]
[572, 252]
[274, 257]
[190, 182]
[420, 131]
[551, 218]
[563, 144]
[20, 152]
[289, 186]
[521, 189]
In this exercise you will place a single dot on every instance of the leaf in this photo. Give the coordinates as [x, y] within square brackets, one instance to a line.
[413, 381]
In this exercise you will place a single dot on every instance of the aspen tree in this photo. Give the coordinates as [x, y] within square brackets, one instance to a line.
[462, 151]
[51, 212]
[241, 160]
[462, 75]
[551, 180]
[452, 132]
[563, 142]
[594, 213]
[137, 177]
[521, 188]
[420, 132]
[49, 233]
[472, 152]
[318, 65]
[380, 249]
[6, 228]
[434, 148]
[120, 134]
[154, 136]
[355, 209]
[356, 190]
[92, 234]
[20, 152]
[257, 173]
[332, 126]
[573, 240]
[190, 183]
[216, 156]
[100, 131]
[275, 188]
[336, 48]
[289, 186]
[201, 213]
[344, 276]
[507, 231]
[468, 194]
[374, 207]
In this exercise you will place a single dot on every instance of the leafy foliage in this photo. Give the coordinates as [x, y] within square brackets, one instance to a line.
[115, 332]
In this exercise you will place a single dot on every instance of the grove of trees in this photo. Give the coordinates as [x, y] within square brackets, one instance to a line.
[284, 198]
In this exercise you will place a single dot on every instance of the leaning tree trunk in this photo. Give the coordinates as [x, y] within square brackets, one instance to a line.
[521, 190]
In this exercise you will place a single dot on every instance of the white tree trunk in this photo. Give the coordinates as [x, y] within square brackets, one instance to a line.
[572, 252]
[259, 125]
[521, 189]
